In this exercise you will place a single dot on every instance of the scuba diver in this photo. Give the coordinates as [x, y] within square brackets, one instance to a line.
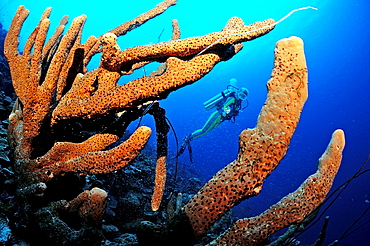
[228, 104]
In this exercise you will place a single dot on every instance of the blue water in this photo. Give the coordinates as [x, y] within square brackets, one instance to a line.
[336, 38]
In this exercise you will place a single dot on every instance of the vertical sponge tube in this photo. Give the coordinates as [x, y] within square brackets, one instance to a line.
[261, 148]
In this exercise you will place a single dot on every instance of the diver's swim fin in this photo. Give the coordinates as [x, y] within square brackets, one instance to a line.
[182, 150]
[185, 143]
[190, 153]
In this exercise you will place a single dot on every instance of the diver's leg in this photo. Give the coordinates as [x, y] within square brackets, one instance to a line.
[213, 121]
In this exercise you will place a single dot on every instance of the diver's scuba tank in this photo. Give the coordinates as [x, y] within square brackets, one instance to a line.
[240, 94]
[216, 100]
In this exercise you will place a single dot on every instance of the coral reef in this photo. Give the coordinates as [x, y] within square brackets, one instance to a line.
[69, 123]
[6, 102]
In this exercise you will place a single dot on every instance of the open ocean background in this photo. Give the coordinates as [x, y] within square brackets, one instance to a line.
[336, 38]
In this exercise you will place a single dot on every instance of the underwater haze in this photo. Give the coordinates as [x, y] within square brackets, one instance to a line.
[336, 40]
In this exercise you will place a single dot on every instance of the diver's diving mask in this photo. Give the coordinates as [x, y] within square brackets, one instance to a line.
[242, 94]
